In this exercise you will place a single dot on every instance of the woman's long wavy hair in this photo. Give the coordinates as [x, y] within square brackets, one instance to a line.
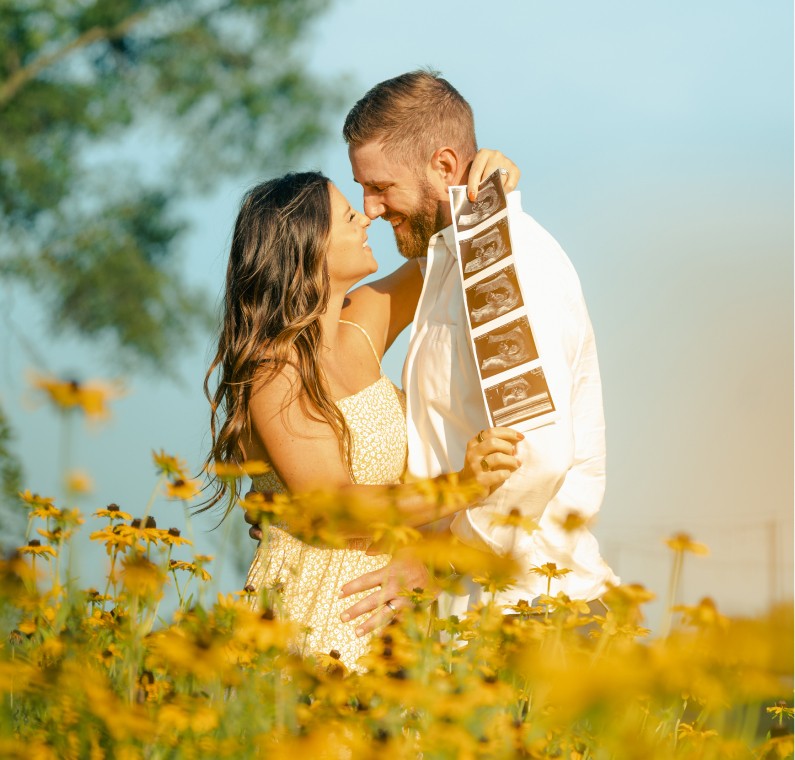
[276, 290]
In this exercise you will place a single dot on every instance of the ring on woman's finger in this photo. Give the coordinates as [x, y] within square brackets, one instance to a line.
[484, 465]
[390, 605]
[480, 437]
[502, 171]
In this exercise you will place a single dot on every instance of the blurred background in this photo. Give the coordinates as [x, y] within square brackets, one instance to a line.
[656, 145]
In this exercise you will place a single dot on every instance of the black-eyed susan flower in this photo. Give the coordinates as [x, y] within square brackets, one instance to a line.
[114, 538]
[194, 568]
[33, 500]
[573, 521]
[703, 615]
[184, 490]
[78, 482]
[145, 532]
[780, 711]
[55, 535]
[141, 577]
[91, 397]
[515, 519]
[493, 582]
[234, 470]
[550, 571]
[682, 542]
[113, 512]
[392, 537]
[170, 466]
[173, 537]
[35, 548]
[68, 518]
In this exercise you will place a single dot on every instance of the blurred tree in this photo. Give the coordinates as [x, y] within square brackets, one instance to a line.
[220, 84]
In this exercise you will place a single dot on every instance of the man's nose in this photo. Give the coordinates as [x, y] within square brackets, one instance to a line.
[373, 207]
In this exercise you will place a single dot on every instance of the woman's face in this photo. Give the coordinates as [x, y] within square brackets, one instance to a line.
[349, 258]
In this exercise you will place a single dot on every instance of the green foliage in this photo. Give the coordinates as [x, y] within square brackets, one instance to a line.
[221, 85]
[10, 484]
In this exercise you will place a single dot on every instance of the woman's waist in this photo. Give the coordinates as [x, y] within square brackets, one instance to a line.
[280, 533]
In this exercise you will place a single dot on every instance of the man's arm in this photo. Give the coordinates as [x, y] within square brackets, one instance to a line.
[403, 572]
[561, 482]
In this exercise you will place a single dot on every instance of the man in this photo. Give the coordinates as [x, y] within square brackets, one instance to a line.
[409, 139]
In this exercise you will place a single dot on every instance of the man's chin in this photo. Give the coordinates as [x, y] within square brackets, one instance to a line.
[410, 248]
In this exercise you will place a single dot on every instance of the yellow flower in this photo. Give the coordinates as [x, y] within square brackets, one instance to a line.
[515, 519]
[91, 398]
[330, 664]
[165, 464]
[193, 568]
[494, 582]
[265, 507]
[114, 538]
[141, 577]
[234, 470]
[69, 518]
[524, 608]
[183, 489]
[78, 481]
[172, 537]
[573, 521]
[704, 615]
[549, 570]
[37, 549]
[36, 501]
[201, 653]
[146, 533]
[681, 542]
[392, 537]
[686, 731]
[55, 535]
[114, 512]
[781, 710]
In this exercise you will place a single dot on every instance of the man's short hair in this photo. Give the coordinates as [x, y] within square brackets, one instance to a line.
[411, 116]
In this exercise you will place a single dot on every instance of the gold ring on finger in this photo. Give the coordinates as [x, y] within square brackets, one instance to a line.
[390, 605]
[480, 437]
[484, 465]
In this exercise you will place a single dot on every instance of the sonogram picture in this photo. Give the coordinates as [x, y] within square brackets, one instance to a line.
[512, 380]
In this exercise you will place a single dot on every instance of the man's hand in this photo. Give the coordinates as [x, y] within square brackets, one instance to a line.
[404, 572]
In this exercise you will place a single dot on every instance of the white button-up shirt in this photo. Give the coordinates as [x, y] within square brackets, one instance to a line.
[563, 463]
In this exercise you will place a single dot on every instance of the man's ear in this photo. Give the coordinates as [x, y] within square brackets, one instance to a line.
[447, 165]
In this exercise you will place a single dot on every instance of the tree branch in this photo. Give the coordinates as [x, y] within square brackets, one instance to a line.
[22, 76]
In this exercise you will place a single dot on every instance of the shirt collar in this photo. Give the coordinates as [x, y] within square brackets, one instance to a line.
[514, 203]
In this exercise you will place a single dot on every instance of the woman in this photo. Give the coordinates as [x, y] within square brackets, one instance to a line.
[301, 387]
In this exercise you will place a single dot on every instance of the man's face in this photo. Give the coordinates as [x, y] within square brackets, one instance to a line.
[413, 202]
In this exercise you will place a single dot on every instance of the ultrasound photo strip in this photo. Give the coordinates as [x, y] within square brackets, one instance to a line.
[512, 380]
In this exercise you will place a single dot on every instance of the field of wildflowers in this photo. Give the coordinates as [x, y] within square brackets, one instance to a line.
[99, 673]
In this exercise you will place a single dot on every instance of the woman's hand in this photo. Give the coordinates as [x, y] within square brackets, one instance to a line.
[487, 161]
[490, 457]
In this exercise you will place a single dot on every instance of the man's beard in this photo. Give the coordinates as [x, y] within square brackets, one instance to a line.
[423, 222]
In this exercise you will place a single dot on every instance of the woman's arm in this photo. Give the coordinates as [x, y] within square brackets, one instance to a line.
[385, 307]
[305, 453]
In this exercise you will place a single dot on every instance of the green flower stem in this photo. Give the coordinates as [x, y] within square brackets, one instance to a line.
[676, 573]
[155, 491]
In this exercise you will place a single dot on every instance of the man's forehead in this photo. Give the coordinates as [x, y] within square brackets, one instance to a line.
[372, 166]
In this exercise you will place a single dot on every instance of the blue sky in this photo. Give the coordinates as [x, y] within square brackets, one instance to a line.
[656, 145]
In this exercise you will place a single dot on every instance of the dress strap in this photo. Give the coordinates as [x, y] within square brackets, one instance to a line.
[364, 332]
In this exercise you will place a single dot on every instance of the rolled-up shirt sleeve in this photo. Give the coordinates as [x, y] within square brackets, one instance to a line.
[561, 482]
